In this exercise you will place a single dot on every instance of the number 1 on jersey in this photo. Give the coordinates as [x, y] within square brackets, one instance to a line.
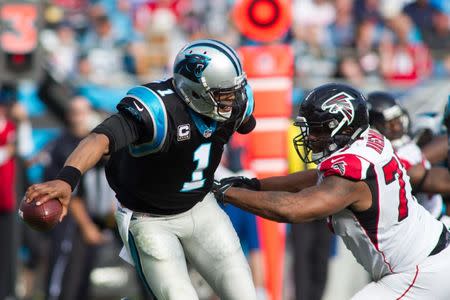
[201, 155]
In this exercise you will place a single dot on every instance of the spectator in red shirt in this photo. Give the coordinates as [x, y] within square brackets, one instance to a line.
[405, 60]
[8, 219]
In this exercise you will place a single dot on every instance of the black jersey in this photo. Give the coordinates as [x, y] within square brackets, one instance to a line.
[172, 166]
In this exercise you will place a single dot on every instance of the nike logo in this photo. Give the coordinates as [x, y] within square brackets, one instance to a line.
[138, 107]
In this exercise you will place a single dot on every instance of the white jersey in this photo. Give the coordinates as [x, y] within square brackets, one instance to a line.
[411, 155]
[395, 233]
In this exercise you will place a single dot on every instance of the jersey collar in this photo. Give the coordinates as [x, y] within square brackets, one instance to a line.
[204, 129]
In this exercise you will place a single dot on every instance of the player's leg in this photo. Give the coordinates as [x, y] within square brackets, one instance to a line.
[215, 251]
[429, 280]
[432, 280]
[159, 259]
[410, 284]
[375, 291]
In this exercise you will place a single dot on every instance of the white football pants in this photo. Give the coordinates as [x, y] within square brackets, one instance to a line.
[427, 281]
[205, 236]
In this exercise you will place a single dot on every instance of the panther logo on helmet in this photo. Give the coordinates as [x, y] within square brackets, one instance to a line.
[192, 66]
[340, 104]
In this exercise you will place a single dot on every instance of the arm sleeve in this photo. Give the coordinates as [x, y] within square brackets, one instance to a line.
[248, 121]
[247, 126]
[121, 131]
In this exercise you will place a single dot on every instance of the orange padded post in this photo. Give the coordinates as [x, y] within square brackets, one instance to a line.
[269, 69]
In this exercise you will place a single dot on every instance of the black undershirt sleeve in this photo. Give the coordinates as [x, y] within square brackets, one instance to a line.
[121, 130]
[248, 126]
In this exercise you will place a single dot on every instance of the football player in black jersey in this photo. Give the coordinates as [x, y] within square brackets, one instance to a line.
[165, 143]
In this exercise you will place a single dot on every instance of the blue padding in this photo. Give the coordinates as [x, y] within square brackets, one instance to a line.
[250, 100]
[155, 107]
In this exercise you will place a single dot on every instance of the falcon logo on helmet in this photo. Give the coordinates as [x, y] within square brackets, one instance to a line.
[340, 104]
[335, 115]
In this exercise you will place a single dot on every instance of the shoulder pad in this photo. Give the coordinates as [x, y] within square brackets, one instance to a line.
[147, 107]
[346, 165]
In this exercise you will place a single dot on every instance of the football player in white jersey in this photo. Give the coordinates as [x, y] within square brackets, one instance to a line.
[363, 189]
[390, 119]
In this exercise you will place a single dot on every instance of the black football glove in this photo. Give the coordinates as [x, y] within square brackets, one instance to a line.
[242, 182]
[219, 190]
[220, 187]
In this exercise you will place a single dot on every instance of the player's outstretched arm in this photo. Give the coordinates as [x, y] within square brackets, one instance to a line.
[436, 150]
[434, 180]
[85, 156]
[332, 195]
[293, 182]
[113, 134]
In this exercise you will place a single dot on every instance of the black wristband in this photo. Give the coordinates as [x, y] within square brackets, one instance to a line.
[71, 175]
[256, 183]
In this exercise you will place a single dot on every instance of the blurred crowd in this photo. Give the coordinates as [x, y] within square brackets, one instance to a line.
[96, 49]
[101, 46]
[400, 42]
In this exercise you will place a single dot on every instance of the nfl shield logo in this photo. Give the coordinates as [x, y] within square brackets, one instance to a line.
[207, 133]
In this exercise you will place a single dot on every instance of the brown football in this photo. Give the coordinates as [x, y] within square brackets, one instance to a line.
[43, 217]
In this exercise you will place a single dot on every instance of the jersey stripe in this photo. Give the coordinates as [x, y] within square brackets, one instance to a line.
[137, 261]
[411, 285]
[157, 110]
[232, 57]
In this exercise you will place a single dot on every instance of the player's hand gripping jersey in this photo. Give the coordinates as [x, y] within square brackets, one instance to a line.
[410, 155]
[172, 165]
[396, 232]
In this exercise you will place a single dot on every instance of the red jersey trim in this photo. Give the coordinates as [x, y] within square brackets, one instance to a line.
[344, 165]
[411, 285]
